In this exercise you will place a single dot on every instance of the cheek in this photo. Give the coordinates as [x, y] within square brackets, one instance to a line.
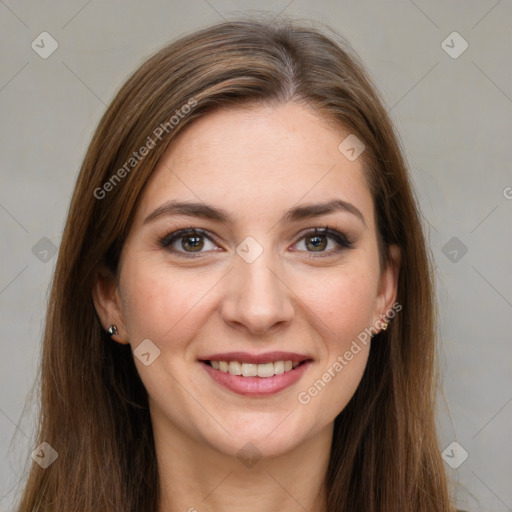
[343, 305]
[343, 298]
[162, 305]
[343, 302]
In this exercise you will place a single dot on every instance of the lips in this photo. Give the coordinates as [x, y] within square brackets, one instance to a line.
[256, 383]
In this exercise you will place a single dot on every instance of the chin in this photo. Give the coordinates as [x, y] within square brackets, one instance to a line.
[258, 439]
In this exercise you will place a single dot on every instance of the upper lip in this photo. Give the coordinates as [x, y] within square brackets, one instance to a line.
[266, 357]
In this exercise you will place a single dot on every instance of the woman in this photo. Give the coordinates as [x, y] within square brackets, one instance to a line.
[242, 313]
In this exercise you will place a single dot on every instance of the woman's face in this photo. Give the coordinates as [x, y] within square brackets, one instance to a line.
[255, 278]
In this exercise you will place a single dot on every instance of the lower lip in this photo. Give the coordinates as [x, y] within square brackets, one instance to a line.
[256, 386]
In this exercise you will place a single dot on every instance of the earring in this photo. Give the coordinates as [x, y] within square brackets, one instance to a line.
[385, 324]
[112, 330]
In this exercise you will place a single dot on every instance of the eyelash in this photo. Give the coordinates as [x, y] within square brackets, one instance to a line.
[340, 238]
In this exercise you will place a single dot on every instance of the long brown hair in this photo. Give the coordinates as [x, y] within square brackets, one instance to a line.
[94, 407]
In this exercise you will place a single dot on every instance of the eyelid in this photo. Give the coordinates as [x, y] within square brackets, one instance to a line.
[339, 237]
[170, 238]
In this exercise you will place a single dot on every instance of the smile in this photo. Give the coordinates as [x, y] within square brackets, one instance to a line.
[264, 370]
[255, 379]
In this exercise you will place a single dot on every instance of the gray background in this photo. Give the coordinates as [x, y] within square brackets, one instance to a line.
[455, 120]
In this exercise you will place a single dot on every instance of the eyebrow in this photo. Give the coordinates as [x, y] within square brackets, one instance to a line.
[297, 213]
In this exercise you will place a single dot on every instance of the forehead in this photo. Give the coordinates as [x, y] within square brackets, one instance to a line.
[258, 161]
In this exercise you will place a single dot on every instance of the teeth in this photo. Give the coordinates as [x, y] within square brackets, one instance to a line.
[235, 368]
[249, 370]
[278, 367]
[266, 370]
[254, 370]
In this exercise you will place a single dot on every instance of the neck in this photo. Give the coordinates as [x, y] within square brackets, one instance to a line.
[196, 477]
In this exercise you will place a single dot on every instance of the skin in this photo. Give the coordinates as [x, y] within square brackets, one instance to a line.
[254, 163]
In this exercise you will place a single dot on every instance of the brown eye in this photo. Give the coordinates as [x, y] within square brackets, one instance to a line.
[193, 243]
[187, 241]
[316, 242]
[324, 241]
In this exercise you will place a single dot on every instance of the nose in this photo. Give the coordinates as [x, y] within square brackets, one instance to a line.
[257, 298]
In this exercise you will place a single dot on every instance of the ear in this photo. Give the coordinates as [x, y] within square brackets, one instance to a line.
[108, 305]
[388, 285]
